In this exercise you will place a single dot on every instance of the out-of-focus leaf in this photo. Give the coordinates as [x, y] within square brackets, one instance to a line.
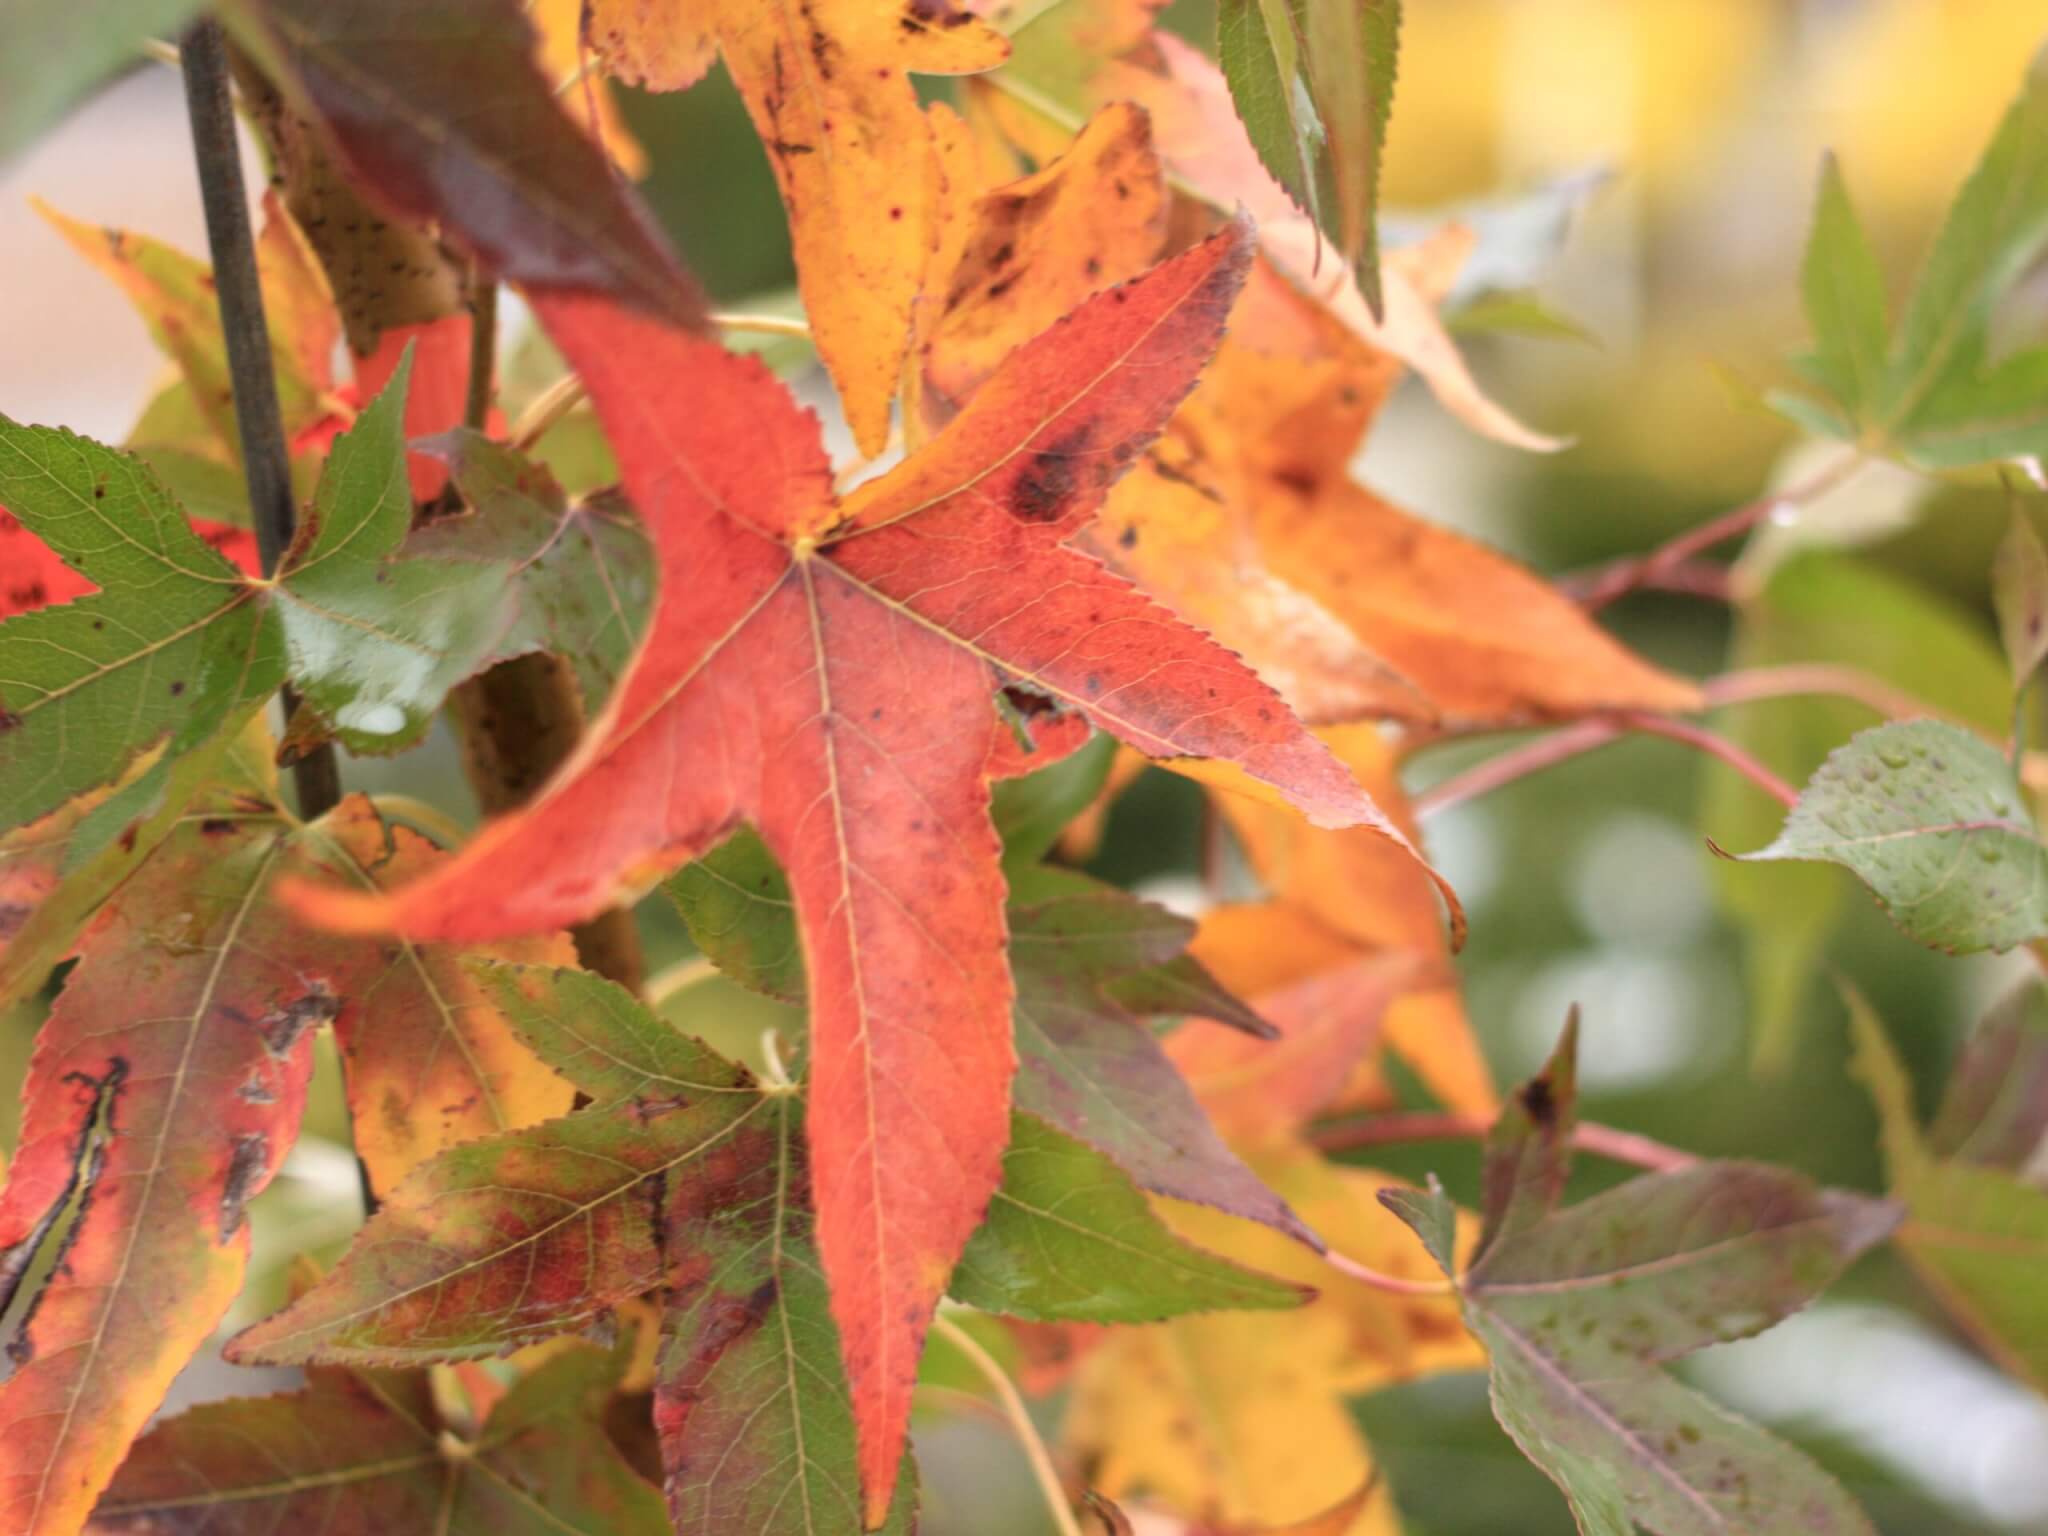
[1580, 1309]
[1844, 295]
[175, 296]
[1238, 1420]
[368, 1454]
[1515, 239]
[1930, 818]
[2019, 593]
[442, 112]
[1069, 1238]
[57, 51]
[1935, 395]
[1977, 1217]
[1994, 1111]
[1516, 313]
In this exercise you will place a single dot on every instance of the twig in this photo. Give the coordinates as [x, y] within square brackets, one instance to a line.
[1597, 588]
[1380, 1281]
[547, 408]
[1042, 1469]
[1805, 678]
[762, 325]
[1719, 747]
[266, 460]
[1399, 1129]
[1584, 736]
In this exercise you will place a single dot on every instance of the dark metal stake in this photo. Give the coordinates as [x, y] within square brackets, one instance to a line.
[266, 461]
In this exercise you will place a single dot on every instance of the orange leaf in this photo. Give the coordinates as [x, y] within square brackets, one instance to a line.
[1034, 248]
[825, 671]
[431, 1059]
[828, 87]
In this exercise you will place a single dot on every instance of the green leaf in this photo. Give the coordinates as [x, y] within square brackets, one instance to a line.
[1313, 81]
[1433, 1217]
[174, 644]
[1995, 1109]
[1579, 1310]
[1821, 607]
[1087, 960]
[1517, 313]
[1977, 1233]
[1069, 1238]
[1929, 817]
[57, 51]
[1030, 812]
[1259, 45]
[1844, 294]
[1995, 229]
[2019, 594]
[376, 643]
[584, 571]
[368, 1452]
[681, 1172]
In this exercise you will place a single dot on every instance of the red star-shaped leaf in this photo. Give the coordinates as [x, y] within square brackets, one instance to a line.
[824, 669]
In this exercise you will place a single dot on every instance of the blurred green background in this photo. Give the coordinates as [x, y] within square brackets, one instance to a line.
[1589, 884]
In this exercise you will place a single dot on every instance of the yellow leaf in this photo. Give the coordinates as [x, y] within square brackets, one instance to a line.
[559, 50]
[1239, 1420]
[828, 87]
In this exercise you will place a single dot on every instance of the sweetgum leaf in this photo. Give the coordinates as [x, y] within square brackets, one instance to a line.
[1930, 818]
[1977, 1216]
[1089, 962]
[173, 644]
[165, 1090]
[1580, 1308]
[681, 1173]
[830, 93]
[1069, 1238]
[366, 1454]
[439, 108]
[823, 670]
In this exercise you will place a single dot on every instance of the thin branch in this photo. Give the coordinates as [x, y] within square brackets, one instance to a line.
[1719, 747]
[1400, 1129]
[1807, 678]
[1596, 589]
[1042, 1469]
[762, 325]
[1582, 737]
[546, 410]
[266, 460]
[1379, 1281]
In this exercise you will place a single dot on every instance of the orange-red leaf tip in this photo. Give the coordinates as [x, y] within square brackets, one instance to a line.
[338, 910]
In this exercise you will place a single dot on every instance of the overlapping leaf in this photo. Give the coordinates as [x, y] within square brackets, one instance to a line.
[1977, 1213]
[165, 1091]
[371, 1454]
[442, 113]
[828, 667]
[828, 86]
[683, 1172]
[56, 52]
[1579, 1310]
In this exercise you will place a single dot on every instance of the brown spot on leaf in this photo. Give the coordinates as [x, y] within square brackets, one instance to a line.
[248, 1167]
